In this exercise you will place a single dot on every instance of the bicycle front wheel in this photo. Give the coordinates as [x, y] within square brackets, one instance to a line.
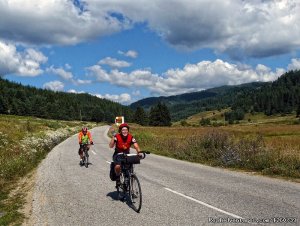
[86, 161]
[135, 193]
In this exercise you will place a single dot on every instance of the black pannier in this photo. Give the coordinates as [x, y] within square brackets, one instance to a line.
[133, 159]
[112, 173]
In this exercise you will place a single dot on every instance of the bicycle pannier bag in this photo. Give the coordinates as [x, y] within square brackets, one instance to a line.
[133, 159]
[112, 173]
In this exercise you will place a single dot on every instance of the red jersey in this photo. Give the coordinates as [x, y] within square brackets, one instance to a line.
[123, 144]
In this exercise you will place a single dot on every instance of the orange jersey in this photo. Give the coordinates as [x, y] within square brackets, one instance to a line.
[84, 138]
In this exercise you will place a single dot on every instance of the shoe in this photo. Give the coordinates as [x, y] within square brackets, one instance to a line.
[81, 162]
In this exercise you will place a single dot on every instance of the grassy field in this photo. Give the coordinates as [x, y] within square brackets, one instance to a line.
[217, 119]
[24, 142]
[271, 146]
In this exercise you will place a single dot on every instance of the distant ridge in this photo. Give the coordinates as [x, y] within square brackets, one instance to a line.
[280, 96]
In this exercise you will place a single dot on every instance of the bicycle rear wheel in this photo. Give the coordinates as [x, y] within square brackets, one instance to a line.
[135, 193]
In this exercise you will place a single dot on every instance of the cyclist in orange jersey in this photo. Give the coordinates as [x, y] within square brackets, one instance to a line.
[84, 137]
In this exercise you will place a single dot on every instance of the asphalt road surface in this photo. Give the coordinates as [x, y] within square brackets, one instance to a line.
[174, 192]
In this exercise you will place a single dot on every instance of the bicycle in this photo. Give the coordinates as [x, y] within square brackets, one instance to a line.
[85, 158]
[129, 183]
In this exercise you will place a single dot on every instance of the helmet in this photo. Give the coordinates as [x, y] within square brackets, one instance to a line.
[84, 129]
[122, 126]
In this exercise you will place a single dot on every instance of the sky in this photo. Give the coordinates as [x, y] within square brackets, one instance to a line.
[127, 50]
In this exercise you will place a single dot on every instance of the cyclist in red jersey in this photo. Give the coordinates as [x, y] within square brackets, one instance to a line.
[122, 142]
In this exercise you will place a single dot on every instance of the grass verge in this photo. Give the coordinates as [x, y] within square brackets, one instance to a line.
[24, 142]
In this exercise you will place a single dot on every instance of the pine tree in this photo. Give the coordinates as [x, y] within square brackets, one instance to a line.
[140, 116]
[166, 118]
[160, 115]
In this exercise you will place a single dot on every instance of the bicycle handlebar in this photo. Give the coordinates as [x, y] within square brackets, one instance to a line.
[121, 156]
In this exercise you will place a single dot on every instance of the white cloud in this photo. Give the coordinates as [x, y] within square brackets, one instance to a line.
[56, 21]
[54, 85]
[295, 64]
[26, 63]
[123, 98]
[129, 53]
[135, 78]
[68, 66]
[240, 28]
[114, 63]
[72, 91]
[82, 82]
[66, 75]
[191, 78]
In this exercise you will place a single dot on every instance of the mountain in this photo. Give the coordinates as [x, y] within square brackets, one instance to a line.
[184, 105]
[22, 100]
[280, 96]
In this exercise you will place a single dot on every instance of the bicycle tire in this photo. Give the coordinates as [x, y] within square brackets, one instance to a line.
[83, 160]
[86, 159]
[135, 193]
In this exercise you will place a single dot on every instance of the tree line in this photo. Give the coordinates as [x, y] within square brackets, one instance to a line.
[17, 99]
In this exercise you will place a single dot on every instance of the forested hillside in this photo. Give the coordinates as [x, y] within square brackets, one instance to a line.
[280, 96]
[17, 99]
[185, 105]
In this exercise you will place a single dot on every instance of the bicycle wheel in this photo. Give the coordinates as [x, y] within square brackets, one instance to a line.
[86, 160]
[135, 193]
[83, 160]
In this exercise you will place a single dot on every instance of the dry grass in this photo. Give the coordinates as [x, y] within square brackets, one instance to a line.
[217, 117]
[272, 149]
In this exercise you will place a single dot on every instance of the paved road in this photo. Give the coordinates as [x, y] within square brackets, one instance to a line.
[174, 192]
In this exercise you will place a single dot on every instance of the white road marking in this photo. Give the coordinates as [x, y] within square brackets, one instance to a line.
[94, 152]
[204, 204]
[108, 162]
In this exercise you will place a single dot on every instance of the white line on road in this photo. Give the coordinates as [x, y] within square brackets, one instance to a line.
[94, 152]
[108, 162]
[204, 204]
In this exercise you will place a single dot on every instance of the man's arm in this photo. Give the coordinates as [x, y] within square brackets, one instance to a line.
[79, 138]
[90, 137]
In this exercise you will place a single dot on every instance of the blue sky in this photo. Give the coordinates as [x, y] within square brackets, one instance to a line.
[126, 50]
